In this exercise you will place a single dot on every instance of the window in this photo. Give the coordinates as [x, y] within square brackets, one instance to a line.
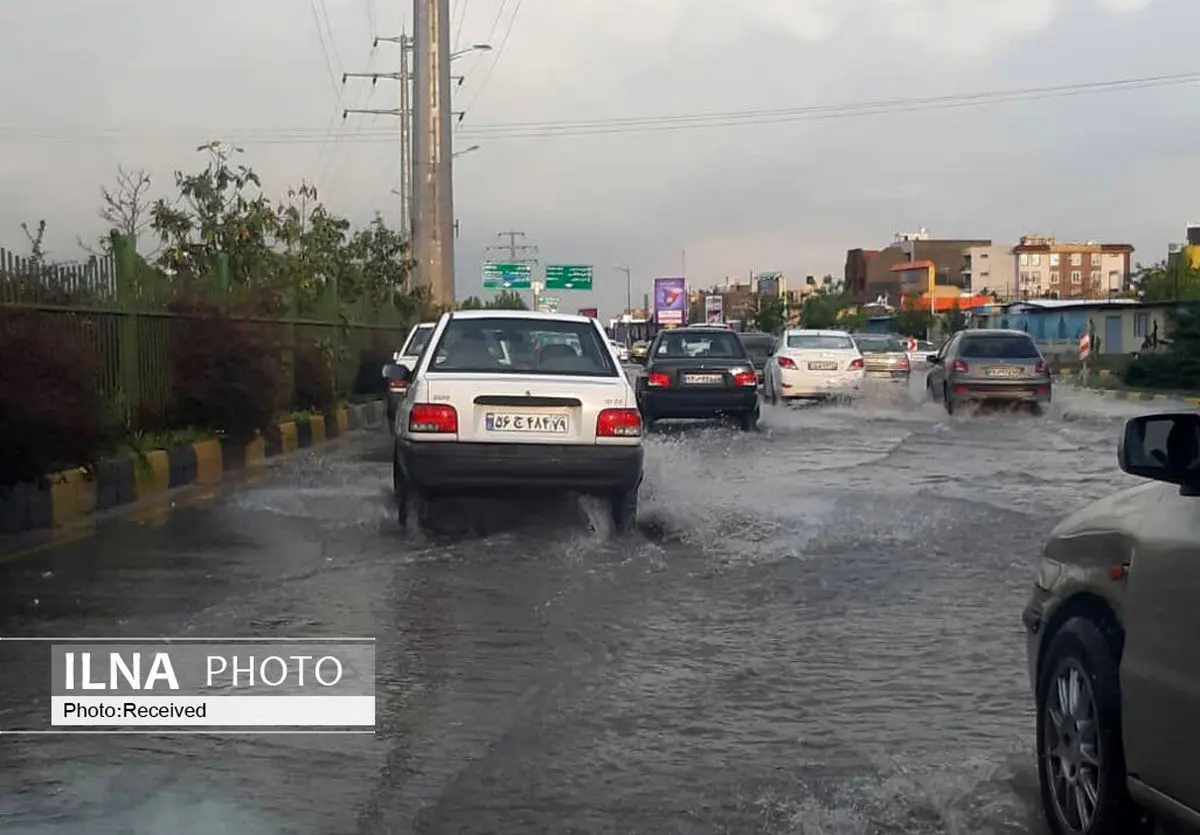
[417, 341]
[1076, 259]
[696, 344]
[1141, 324]
[1095, 276]
[1076, 277]
[819, 342]
[758, 346]
[1054, 256]
[1054, 276]
[1035, 260]
[1024, 278]
[1024, 259]
[878, 344]
[999, 347]
[1095, 259]
[520, 345]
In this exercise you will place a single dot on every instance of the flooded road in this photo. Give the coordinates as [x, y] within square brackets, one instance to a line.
[817, 630]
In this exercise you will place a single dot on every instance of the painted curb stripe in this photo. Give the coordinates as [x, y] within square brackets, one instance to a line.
[70, 496]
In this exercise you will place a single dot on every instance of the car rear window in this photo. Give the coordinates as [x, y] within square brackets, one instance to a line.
[513, 345]
[417, 341]
[759, 347]
[878, 344]
[709, 344]
[999, 347]
[819, 342]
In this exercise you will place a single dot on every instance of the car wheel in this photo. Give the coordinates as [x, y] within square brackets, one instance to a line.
[748, 421]
[948, 400]
[624, 510]
[1036, 409]
[1080, 755]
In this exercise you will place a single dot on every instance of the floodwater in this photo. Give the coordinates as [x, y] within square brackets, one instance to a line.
[816, 630]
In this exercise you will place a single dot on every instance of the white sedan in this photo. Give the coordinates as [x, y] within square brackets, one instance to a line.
[511, 402]
[621, 350]
[814, 365]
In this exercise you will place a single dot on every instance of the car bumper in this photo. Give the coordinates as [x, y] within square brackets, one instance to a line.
[456, 468]
[799, 384]
[1024, 392]
[887, 374]
[697, 405]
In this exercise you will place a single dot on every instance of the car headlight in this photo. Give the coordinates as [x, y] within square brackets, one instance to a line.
[1048, 573]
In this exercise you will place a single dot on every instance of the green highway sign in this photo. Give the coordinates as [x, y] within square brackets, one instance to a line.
[568, 276]
[498, 275]
[548, 304]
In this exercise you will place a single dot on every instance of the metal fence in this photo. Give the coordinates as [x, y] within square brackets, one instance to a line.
[120, 305]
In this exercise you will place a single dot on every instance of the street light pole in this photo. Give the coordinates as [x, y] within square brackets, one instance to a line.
[628, 300]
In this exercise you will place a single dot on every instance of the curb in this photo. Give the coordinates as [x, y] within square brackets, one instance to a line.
[71, 495]
[1135, 396]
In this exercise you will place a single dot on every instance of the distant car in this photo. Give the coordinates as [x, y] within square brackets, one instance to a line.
[698, 373]
[760, 347]
[637, 352]
[883, 355]
[987, 365]
[1111, 630]
[621, 350]
[506, 402]
[814, 365]
[407, 356]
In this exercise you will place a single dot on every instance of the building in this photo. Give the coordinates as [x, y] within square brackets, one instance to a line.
[870, 274]
[1049, 269]
[991, 270]
[1122, 325]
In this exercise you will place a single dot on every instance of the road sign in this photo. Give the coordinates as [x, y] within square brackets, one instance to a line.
[499, 275]
[568, 276]
[548, 304]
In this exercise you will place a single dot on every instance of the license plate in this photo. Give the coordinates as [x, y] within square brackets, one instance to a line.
[822, 366]
[1004, 371]
[552, 424]
[703, 379]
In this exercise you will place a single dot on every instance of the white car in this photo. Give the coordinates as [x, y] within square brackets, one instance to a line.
[621, 350]
[408, 355]
[814, 365]
[511, 401]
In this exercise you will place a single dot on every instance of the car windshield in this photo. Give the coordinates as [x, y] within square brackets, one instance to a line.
[709, 344]
[999, 347]
[878, 344]
[819, 342]
[522, 346]
[759, 347]
[417, 341]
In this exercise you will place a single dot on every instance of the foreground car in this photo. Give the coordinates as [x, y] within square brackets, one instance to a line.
[1113, 656]
[883, 355]
[989, 366]
[760, 347]
[814, 365]
[698, 373]
[515, 401]
[408, 355]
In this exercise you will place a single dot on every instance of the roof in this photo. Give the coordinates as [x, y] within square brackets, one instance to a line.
[817, 332]
[994, 332]
[519, 314]
[1059, 304]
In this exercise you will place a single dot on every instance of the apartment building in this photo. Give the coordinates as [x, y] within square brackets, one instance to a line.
[871, 274]
[991, 270]
[1048, 269]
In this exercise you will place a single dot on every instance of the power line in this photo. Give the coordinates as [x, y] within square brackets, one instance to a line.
[459, 13]
[643, 124]
[499, 54]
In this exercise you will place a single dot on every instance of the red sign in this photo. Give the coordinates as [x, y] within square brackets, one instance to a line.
[591, 312]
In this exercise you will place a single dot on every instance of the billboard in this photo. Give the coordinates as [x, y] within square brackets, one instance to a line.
[670, 301]
[714, 309]
[769, 284]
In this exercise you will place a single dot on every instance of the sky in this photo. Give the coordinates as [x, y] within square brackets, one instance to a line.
[91, 85]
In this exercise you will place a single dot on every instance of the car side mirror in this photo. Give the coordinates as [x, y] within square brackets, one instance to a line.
[397, 373]
[932, 359]
[1163, 447]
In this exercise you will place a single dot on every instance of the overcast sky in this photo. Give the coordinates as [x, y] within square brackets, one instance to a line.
[142, 82]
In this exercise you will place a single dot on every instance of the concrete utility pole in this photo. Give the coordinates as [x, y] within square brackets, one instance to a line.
[433, 197]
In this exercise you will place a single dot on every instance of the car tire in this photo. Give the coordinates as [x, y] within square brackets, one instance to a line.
[1037, 409]
[623, 507]
[412, 505]
[748, 422]
[948, 401]
[1082, 663]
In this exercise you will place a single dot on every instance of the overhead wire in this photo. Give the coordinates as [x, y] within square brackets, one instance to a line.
[329, 142]
[459, 13]
[491, 70]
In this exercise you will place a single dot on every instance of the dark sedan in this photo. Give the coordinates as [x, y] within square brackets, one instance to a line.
[760, 347]
[699, 373]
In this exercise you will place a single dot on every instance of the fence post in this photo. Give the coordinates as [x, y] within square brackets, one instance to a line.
[126, 258]
[220, 271]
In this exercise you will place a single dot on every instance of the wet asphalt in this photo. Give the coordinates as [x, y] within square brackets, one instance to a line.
[816, 630]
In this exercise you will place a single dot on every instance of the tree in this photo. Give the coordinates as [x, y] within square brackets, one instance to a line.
[912, 319]
[126, 205]
[506, 300]
[471, 303]
[1169, 280]
[770, 314]
[955, 320]
[37, 249]
[821, 309]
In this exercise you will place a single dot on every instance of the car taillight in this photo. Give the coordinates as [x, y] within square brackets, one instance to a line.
[1041, 367]
[658, 380]
[959, 365]
[856, 365]
[397, 385]
[745, 379]
[619, 423]
[786, 362]
[429, 418]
